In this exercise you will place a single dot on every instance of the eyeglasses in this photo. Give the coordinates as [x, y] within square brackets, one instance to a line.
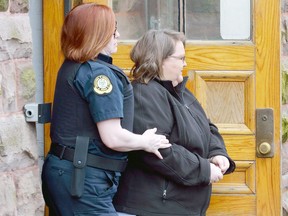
[114, 34]
[178, 57]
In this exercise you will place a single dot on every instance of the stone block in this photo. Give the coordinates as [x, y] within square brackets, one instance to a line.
[29, 193]
[18, 145]
[8, 87]
[4, 53]
[285, 159]
[26, 82]
[285, 200]
[20, 193]
[12, 49]
[19, 6]
[284, 63]
[4, 5]
[285, 213]
[18, 85]
[285, 181]
[8, 194]
[15, 27]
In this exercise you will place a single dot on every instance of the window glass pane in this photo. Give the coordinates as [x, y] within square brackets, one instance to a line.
[203, 19]
[200, 19]
[218, 19]
[134, 17]
[235, 19]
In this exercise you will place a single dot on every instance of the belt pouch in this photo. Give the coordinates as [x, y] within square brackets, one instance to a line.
[79, 162]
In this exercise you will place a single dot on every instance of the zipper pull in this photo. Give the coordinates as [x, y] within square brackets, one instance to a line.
[164, 195]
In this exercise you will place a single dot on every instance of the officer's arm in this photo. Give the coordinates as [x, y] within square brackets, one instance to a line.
[120, 139]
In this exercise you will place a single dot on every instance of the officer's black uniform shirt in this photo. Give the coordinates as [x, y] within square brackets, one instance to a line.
[102, 88]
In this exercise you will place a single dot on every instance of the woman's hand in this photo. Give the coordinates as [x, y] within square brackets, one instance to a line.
[221, 161]
[215, 173]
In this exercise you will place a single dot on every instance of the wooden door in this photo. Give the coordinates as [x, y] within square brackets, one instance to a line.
[232, 81]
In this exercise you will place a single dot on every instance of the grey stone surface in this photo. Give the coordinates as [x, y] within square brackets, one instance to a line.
[8, 87]
[284, 67]
[15, 27]
[20, 184]
[4, 5]
[19, 6]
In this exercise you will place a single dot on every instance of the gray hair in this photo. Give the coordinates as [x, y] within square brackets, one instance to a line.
[150, 51]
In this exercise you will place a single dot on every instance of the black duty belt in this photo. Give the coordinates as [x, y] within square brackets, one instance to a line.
[64, 152]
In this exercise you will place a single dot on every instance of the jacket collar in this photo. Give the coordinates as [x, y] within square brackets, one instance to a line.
[168, 85]
[176, 91]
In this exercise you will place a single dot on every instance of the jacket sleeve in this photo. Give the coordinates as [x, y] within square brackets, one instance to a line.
[178, 164]
[217, 147]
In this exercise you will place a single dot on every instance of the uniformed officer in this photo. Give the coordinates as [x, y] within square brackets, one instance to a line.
[92, 118]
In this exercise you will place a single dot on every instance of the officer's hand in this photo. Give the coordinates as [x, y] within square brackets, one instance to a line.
[154, 142]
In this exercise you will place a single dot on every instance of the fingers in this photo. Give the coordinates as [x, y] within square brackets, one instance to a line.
[155, 142]
[224, 165]
[164, 140]
[216, 179]
[164, 146]
[157, 153]
[164, 143]
[216, 174]
[150, 131]
[222, 162]
[224, 168]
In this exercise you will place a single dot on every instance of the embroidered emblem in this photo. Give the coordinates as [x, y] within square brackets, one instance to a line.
[102, 85]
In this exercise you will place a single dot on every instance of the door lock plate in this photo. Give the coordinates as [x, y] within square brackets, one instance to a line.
[264, 133]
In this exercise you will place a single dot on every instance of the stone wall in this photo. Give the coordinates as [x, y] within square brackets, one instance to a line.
[284, 71]
[20, 189]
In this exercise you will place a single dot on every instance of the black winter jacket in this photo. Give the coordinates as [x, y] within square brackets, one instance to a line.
[179, 183]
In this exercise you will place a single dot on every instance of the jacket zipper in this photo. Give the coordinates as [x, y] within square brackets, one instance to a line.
[164, 195]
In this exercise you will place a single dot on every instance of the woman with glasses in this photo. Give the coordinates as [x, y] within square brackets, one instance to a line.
[91, 119]
[180, 183]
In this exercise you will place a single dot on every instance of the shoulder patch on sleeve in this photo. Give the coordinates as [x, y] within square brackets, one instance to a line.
[102, 85]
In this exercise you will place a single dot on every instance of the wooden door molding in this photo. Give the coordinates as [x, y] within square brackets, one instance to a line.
[52, 54]
[267, 41]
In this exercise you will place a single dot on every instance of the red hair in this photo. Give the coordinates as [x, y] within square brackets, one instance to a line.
[87, 29]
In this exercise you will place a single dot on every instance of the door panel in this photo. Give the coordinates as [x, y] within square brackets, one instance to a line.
[229, 100]
[231, 80]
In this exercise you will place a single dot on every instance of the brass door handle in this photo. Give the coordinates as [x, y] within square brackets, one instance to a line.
[264, 133]
[264, 148]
